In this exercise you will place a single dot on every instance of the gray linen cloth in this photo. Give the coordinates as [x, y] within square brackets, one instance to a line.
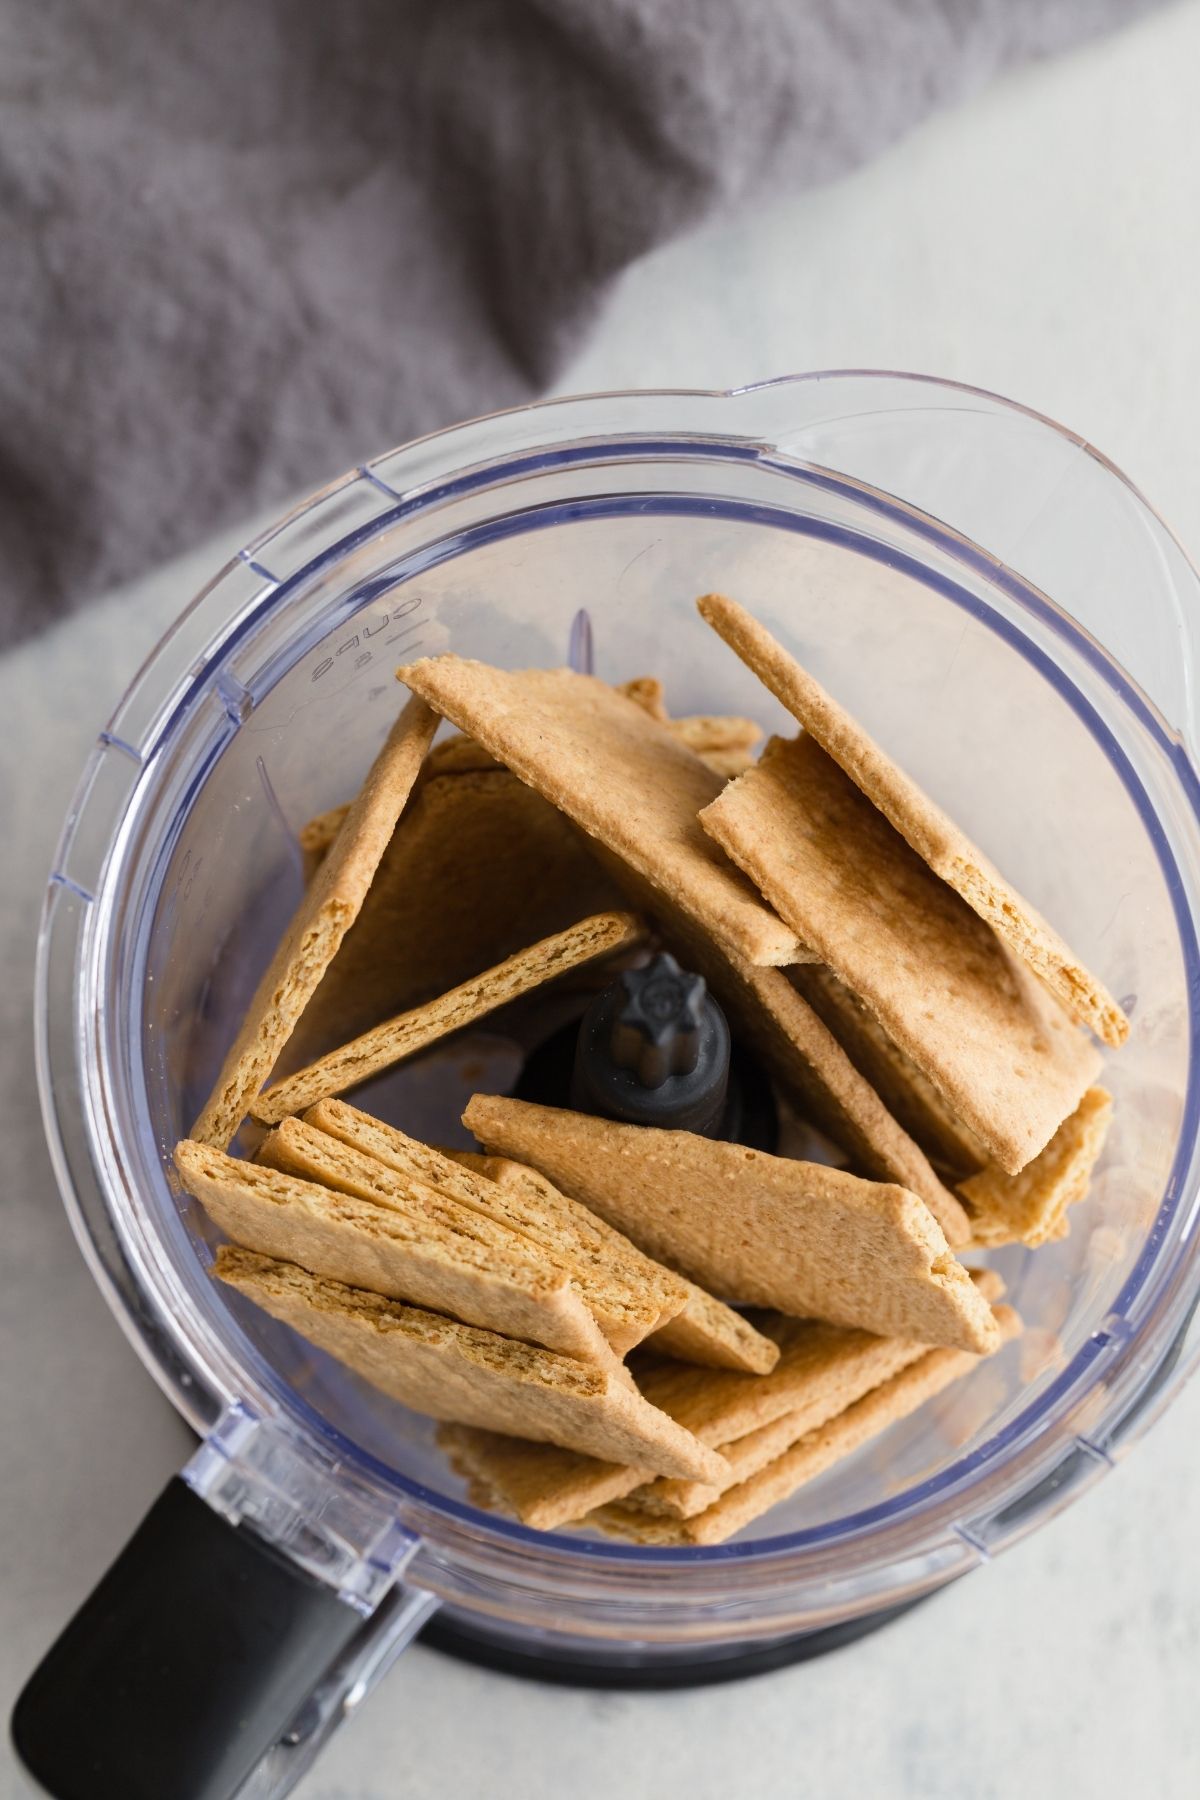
[249, 242]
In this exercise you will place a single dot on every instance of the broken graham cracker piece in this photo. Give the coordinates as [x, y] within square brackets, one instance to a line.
[629, 1295]
[394, 1040]
[934, 837]
[811, 1241]
[632, 1297]
[326, 912]
[805, 1058]
[405, 1251]
[997, 1045]
[316, 837]
[822, 1369]
[752, 1451]
[1030, 1207]
[461, 1373]
[713, 1334]
[808, 1457]
[647, 691]
[597, 1314]
[478, 867]
[619, 774]
[909, 1096]
[705, 1331]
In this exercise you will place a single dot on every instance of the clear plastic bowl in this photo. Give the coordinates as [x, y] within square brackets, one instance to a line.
[1005, 613]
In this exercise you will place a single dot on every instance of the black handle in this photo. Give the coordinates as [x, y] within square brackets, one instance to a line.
[195, 1653]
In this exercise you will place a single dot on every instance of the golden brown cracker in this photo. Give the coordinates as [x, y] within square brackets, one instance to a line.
[403, 1249]
[1030, 1208]
[326, 912]
[647, 692]
[808, 1457]
[728, 764]
[619, 774]
[822, 1369]
[997, 1045]
[811, 1241]
[704, 1331]
[710, 733]
[747, 1454]
[403, 1036]
[919, 820]
[461, 1373]
[316, 837]
[909, 1095]
[538, 1484]
[713, 1334]
[479, 867]
[629, 1295]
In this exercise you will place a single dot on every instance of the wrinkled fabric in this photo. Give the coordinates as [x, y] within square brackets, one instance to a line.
[247, 245]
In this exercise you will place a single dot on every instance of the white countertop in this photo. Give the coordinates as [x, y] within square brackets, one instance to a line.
[1042, 242]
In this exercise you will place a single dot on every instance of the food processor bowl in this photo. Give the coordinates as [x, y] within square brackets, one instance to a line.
[1004, 612]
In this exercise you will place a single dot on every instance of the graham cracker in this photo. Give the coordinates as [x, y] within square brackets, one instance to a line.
[316, 837]
[396, 1247]
[748, 1454]
[909, 1096]
[728, 764]
[628, 1295]
[770, 1017]
[461, 1373]
[934, 837]
[705, 1331]
[821, 1371]
[1029, 1208]
[998, 1046]
[708, 733]
[619, 774]
[538, 1484]
[808, 1457]
[479, 867]
[458, 755]
[764, 1230]
[713, 1334]
[326, 912]
[403, 1036]
[647, 692]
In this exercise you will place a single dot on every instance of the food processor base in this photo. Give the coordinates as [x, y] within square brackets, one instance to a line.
[620, 1666]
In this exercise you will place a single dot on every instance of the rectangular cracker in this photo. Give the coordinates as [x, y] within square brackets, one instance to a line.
[619, 774]
[629, 1295]
[809, 1457]
[455, 893]
[997, 1045]
[767, 1231]
[1030, 1207]
[805, 1058]
[598, 1313]
[403, 1036]
[713, 1334]
[705, 1331]
[822, 1370]
[403, 1249]
[316, 837]
[748, 1454]
[461, 1373]
[909, 1096]
[326, 912]
[934, 837]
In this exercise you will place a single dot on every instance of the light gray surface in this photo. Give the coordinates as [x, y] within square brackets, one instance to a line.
[1043, 243]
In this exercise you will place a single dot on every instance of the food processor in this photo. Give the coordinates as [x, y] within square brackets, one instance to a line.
[1011, 619]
